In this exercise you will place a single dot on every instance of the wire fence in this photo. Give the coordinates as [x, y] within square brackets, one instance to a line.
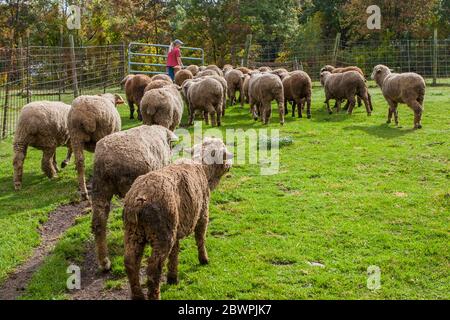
[401, 55]
[54, 73]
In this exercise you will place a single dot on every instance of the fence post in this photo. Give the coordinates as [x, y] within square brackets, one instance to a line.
[105, 83]
[74, 67]
[296, 63]
[28, 92]
[435, 58]
[336, 47]
[248, 43]
[124, 64]
[6, 105]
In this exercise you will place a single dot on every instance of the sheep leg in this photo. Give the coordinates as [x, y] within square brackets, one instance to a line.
[338, 106]
[392, 111]
[219, 119]
[417, 108]
[370, 100]
[101, 205]
[55, 164]
[286, 111]
[241, 98]
[327, 102]
[308, 107]
[134, 249]
[79, 163]
[206, 117]
[280, 111]
[366, 100]
[191, 118]
[172, 274]
[131, 105]
[299, 107]
[294, 105]
[20, 153]
[47, 162]
[253, 110]
[213, 118]
[156, 261]
[359, 102]
[200, 235]
[352, 104]
[68, 156]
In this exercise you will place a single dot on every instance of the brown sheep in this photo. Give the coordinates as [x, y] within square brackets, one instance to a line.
[167, 205]
[244, 70]
[161, 76]
[263, 88]
[245, 88]
[182, 75]
[42, 125]
[134, 90]
[157, 84]
[119, 159]
[205, 95]
[265, 69]
[408, 88]
[298, 88]
[194, 69]
[90, 119]
[234, 80]
[346, 85]
[162, 106]
[216, 69]
[206, 72]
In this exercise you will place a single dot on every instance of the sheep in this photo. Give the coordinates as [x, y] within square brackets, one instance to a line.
[226, 68]
[194, 69]
[244, 70]
[120, 158]
[245, 87]
[163, 106]
[204, 73]
[42, 125]
[201, 68]
[205, 95]
[263, 88]
[182, 75]
[347, 69]
[161, 76]
[215, 68]
[408, 88]
[157, 84]
[279, 71]
[165, 206]
[90, 119]
[134, 90]
[298, 88]
[345, 86]
[264, 69]
[234, 80]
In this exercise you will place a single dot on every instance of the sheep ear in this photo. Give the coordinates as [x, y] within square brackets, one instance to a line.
[119, 99]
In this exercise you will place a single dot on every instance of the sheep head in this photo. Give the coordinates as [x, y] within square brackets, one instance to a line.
[328, 67]
[323, 77]
[380, 72]
[114, 98]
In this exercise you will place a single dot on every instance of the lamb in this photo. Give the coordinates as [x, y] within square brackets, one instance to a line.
[182, 75]
[165, 206]
[119, 159]
[157, 84]
[90, 119]
[216, 69]
[408, 88]
[134, 90]
[263, 88]
[163, 106]
[42, 125]
[161, 76]
[205, 95]
[194, 69]
[298, 88]
[346, 85]
[234, 80]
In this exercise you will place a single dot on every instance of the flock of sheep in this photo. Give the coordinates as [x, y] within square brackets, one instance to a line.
[166, 202]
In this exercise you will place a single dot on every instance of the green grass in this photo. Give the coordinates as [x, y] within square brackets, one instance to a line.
[352, 192]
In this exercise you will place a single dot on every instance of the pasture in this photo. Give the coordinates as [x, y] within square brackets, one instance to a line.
[352, 192]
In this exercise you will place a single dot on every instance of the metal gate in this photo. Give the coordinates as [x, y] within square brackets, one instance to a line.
[151, 58]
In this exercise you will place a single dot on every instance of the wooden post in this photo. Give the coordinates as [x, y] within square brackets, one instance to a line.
[74, 67]
[124, 64]
[295, 63]
[248, 43]
[435, 57]
[60, 66]
[336, 47]
[6, 104]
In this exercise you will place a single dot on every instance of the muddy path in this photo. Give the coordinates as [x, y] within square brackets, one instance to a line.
[51, 231]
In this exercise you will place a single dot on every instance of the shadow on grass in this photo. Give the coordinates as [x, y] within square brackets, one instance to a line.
[384, 130]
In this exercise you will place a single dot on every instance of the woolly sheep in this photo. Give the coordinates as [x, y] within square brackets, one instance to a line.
[90, 119]
[163, 106]
[216, 69]
[182, 75]
[134, 90]
[264, 69]
[245, 88]
[161, 76]
[42, 125]
[263, 88]
[234, 80]
[167, 205]
[298, 88]
[205, 95]
[408, 88]
[157, 84]
[206, 72]
[346, 85]
[194, 69]
[119, 159]
[244, 70]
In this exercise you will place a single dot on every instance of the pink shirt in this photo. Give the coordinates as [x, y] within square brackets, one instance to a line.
[172, 57]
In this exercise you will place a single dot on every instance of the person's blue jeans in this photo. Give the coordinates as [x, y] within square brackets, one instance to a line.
[171, 72]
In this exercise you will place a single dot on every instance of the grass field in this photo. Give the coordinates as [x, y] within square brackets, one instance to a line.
[352, 192]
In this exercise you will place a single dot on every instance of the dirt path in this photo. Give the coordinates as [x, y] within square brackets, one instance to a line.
[58, 222]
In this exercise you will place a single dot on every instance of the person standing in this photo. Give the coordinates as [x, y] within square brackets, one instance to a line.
[174, 63]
